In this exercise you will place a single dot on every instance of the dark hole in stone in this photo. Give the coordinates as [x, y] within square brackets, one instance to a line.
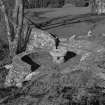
[86, 4]
[69, 55]
[28, 60]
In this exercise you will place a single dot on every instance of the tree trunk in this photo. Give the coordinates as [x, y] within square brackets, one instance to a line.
[19, 15]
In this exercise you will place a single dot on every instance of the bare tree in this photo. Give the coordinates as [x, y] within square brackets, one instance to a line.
[14, 27]
[19, 15]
